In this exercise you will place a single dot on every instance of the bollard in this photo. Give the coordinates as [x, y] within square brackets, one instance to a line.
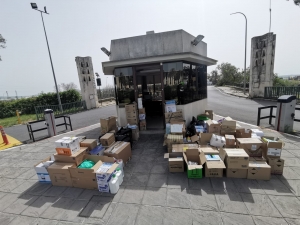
[18, 116]
[4, 137]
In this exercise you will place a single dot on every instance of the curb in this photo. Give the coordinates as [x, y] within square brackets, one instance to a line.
[231, 93]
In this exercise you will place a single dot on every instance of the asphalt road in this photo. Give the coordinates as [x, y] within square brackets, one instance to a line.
[78, 120]
[241, 109]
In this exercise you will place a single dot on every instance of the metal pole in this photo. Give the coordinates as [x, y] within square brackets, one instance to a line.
[270, 17]
[58, 97]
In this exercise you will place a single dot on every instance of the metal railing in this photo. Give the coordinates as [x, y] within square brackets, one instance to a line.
[276, 92]
[31, 131]
[68, 108]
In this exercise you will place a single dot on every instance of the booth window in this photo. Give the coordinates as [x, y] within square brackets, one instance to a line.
[124, 85]
[81, 64]
[185, 82]
[87, 64]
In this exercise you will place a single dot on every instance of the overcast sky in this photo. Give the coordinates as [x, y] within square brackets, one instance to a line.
[81, 28]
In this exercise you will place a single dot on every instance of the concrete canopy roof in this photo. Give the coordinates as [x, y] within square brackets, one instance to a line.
[109, 66]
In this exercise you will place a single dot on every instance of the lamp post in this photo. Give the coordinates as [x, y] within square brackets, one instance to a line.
[99, 84]
[245, 49]
[34, 6]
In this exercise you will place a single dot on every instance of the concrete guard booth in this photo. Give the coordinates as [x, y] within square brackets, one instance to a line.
[158, 67]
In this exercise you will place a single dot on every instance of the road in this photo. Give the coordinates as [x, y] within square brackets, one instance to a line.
[241, 109]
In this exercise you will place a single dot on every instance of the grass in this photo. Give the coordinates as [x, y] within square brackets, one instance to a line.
[10, 121]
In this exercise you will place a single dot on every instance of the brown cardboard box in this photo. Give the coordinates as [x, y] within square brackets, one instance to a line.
[182, 147]
[86, 173]
[107, 139]
[86, 183]
[236, 173]
[131, 107]
[259, 171]
[209, 150]
[133, 121]
[252, 146]
[194, 171]
[213, 126]
[173, 139]
[89, 143]
[277, 165]
[135, 134]
[243, 133]
[143, 125]
[108, 124]
[195, 138]
[210, 113]
[75, 158]
[229, 122]
[272, 147]
[132, 115]
[259, 159]
[230, 146]
[60, 175]
[236, 158]
[142, 111]
[214, 168]
[205, 138]
[230, 140]
[170, 117]
[175, 161]
[179, 123]
[119, 150]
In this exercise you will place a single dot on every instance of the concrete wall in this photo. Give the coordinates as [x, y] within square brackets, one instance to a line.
[155, 44]
[87, 81]
[262, 64]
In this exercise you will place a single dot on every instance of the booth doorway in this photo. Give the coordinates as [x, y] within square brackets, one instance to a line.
[149, 86]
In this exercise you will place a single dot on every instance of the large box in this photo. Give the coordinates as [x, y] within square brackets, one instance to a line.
[119, 150]
[205, 138]
[193, 155]
[182, 147]
[213, 126]
[214, 168]
[67, 145]
[236, 173]
[60, 175]
[176, 162]
[131, 115]
[142, 111]
[42, 171]
[104, 172]
[86, 173]
[89, 143]
[75, 158]
[108, 124]
[86, 183]
[272, 147]
[107, 139]
[277, 165]
[171, 139]
[209, 150]
[143, 125]
[178, 127]
[259, 171]
[236, 158]
[131, 108]
[133, 121]
[172, 116]
[252, 146]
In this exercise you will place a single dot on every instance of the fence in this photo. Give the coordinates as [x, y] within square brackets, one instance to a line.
[68, 108]
[106, 93]
[276, 92]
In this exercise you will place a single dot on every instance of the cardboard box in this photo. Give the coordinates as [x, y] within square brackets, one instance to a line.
[230, 140]
[171, 116]
[103, 188]
[131, 108]
[210, 113]
[75, 158]
[252, 146]
[142, 111]
[131, 115]
[104, 173]
[259, 159]
[143, 125]
[236, 173]
[173, 139]
[236, 158]
[243, 133]
[182, 147]
[177, 127]
[107, 139]
[277, 165]
[133, 121]
[119, 150]
[60, 175]
[108, 124]
[67, 145]
[142, 116]
[89, 143]
[175, 162]
[86, 183]
[229, 122]
[214, 168]
[259, 171]
[86, 173]
[194, 171]
[213, 126]
[41, 170]
[209, 150]
[135, 134]
[205, 138]
[272, 147]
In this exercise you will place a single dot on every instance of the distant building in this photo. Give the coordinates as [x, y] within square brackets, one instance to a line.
[262, 64]
[87, 81]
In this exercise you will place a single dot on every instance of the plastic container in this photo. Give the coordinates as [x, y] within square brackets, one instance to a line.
[121, 166]
[114, 184]
[119, 176]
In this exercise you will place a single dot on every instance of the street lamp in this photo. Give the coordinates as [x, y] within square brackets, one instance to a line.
[34, 6]
[245, 49]
[99, 84]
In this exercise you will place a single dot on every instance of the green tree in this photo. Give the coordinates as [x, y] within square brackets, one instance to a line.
[2, 43]
[229, 74]
[280, 82]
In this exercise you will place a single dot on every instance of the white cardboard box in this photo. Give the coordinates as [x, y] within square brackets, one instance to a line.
[68, 142]
[42, 172]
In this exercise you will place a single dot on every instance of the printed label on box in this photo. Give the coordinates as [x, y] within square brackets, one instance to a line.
[274, 151]
[253, 147]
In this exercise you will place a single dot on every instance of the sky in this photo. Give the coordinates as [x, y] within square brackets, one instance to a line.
[81, 28]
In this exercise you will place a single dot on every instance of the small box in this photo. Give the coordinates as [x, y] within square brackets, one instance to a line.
[214, 168]
[236, 158]
[60, 175]
[193, 155]
[42, 171]
[131, 107]
[229, 122]
[142, 111]
[133, 121]
[272, 147]
[209, 150]
[143, 125]
[67, 145]
[252, 146]
[171, 116]
[259, 171]
[170, 108]
[236, 173]
[103, 188]
[210, 113]
[277, 165]
[230, 140]
[135, 134]
[243, 133]
[89, 143]
[176, 162]
[131, 115]
[213, 126]
[75, 158]
[107, 139]
[105, 172]
[119, 150]
[108, 124]
[142, 116]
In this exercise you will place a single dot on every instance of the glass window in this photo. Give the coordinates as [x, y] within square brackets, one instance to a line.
[125, 90]
[126, 71]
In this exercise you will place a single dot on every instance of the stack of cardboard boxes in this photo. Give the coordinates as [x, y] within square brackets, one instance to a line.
[142, 117]
[228, 126]
[132, 115]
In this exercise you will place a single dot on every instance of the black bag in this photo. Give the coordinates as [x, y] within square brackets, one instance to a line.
[124, 134]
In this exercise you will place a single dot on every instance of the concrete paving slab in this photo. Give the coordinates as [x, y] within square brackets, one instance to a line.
[96, 207]
[178, 198]
[220, 184]
[178, 180]
[57, 209]
[7, 200]
[133, 195]
[6, 218]
[177, 216]
[149, 215]
[204, 184]
[20, 204]
[138, 179]
[202, 200]
[293, 186]
[71, 192]
[39, 206]
[274, 187]
[236, 219]
[124, 214]
[24, 220]
[206, 217]
[288, 206]
[248, 186]
[160, 167]
[157, 180]
[72, 213]
[155, 196]
[260, 220]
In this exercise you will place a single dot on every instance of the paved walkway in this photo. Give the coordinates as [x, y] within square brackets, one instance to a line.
[149, 194]
[233, 91]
